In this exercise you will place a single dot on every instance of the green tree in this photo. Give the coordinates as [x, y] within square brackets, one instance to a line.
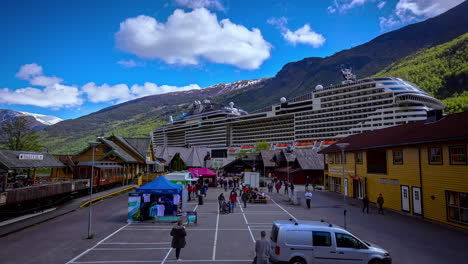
[16, 135]
[177, 164]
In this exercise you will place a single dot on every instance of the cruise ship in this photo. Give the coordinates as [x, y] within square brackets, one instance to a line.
[315, 119]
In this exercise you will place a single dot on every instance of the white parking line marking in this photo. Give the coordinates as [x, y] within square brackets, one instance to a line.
[251, 234]
[283, 209]
[216, 235]
[125, 243]
[127, 248]
[89, 249]
[167, 255]
[194, 209]
[152, 261]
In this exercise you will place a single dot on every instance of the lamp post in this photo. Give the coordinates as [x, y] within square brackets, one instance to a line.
[148, 159]
[93, 146]
[342, 146]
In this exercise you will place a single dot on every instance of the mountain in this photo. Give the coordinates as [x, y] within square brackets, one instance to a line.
[441, 71]
[134, 118]
[138, 117]
[36, 121]
[297, 78]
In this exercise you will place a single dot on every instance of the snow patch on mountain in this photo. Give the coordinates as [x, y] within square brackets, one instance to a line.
[44, 119]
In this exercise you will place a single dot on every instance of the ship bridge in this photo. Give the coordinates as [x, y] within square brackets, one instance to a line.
[413, 98]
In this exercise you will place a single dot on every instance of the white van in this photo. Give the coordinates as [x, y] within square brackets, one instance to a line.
[318, 242]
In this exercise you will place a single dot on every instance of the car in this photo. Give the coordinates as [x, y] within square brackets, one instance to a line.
[319, 242]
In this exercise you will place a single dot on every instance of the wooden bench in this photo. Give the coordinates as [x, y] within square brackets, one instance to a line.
[261, 201]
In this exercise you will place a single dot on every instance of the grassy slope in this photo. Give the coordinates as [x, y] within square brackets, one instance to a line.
[442, 71]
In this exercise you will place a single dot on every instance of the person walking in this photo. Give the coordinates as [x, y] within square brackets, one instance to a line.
[189, 189]
[365, 204]
[221, 200]
[278, 187]
[286, 187]
[245, 198]
[262, 249]
[233, 200]
[308, 197]
[380, 202]
[291, 186]
[178, 238]
[225, 185]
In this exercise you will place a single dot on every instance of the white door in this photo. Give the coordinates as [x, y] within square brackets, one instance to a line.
[405, 198]
[346, 187]
[417, 201]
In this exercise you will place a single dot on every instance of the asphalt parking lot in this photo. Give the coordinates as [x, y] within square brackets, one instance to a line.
[216, 238]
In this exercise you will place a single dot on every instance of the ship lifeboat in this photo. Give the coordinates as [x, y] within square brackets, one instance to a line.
[304, 145]
[282, 146]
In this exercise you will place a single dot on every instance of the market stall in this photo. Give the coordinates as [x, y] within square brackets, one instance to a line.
[205, 174]
[159, 201]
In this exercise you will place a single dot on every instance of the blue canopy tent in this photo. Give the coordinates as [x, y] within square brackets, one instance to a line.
[160, 186]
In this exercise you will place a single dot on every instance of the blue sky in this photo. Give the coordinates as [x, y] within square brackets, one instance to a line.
[71, 58]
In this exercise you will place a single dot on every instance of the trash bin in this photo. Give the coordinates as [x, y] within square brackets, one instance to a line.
[200, 199]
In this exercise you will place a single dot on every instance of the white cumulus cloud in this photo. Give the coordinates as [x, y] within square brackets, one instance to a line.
[188, 37]
[209, 4]
[408, 11]
[344, 5]
[131, 63]
[303, 35]
[54, 96]
[121, 92]
[380, 5]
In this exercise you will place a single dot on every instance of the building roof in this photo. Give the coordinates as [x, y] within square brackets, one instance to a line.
[308, 159]
[118, 151]
[10, 159]
[192, 157]
[267, 157]
[138, 145]
[449, 128]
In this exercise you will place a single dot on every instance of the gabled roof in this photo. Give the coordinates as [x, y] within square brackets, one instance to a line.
[118, 150]
[192, 157]
[309, 159]
[139, 146]
[267, 157]
[449, 128]
[9, 160]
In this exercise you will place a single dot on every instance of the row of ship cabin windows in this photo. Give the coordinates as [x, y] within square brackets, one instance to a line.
[351, 95]
[357, 100]
[361, 108]
[457, 156]
[365, 86]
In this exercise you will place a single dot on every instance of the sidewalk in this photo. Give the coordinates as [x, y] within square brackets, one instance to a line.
[20, 223]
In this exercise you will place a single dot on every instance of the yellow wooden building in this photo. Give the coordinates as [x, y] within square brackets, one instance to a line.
[419, 168]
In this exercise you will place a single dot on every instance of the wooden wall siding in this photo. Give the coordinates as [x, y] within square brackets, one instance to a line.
[440, 178]
[88, 154]
[436, 179]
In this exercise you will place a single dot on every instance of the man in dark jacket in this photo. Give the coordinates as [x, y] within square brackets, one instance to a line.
[178, 238]
[245, 198]
[365, 203]
[380, 202]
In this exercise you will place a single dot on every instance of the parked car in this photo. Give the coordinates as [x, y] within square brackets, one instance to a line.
[319, 242]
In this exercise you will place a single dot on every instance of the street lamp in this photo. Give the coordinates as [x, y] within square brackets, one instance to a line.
[148, 160]
[342, 146]
[93, 146]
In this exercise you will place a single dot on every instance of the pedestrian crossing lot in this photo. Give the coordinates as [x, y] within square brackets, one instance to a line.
[216, 238]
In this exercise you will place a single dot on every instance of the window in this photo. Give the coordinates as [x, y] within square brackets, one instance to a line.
[457, 207]
[347, 241]
[435, 156]
[394, 182]
[383, 180]
[274, 233]
[398, 157]
[457, 154]
[376, 161]
[322, 239]
[358, 158]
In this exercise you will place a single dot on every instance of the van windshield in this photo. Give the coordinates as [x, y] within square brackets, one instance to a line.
[274, 233]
